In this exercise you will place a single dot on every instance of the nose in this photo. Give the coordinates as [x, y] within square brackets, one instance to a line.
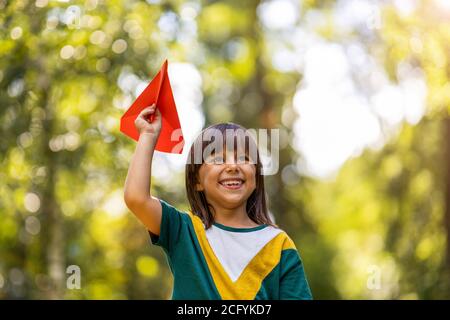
[231, 167]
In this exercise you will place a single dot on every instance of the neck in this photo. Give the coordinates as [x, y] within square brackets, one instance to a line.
[236, 217]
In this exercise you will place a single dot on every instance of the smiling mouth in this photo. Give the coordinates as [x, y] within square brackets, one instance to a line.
[232, 184]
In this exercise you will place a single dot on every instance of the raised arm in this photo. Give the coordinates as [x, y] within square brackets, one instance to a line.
[137, 194]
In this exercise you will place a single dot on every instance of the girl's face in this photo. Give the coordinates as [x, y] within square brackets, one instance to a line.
[227, 183]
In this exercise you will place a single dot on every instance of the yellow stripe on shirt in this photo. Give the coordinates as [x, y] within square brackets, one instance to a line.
[249, 282]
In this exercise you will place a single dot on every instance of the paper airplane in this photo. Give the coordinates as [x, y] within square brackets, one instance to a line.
[159, 92]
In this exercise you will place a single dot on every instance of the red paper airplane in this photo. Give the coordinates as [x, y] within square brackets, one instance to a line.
[159, 92]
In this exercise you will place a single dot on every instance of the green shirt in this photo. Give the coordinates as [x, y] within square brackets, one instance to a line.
[229, 263]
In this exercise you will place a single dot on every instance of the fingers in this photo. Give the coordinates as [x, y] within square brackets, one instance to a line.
[148, 110]
[155, 116]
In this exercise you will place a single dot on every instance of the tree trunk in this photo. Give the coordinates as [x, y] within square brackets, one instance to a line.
[53, 223]
[447, 187]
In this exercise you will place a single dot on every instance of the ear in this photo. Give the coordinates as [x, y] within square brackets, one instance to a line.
[199, 187]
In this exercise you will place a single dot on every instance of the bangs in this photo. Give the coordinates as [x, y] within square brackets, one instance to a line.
[220, 140]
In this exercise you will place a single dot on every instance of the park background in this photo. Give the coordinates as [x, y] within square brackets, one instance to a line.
[358, 89]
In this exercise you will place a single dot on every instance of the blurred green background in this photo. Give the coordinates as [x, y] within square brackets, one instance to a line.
[359, 91]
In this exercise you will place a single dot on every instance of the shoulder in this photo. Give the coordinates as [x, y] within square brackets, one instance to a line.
[172, 214]
[283, 238]
[166, 206]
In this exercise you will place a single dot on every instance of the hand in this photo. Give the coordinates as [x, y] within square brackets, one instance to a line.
[143, 124]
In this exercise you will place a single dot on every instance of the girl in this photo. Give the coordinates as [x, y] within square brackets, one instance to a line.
[226, 246]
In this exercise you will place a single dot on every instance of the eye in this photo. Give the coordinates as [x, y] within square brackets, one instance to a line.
[218, 160]
[214, 159]
[243, 159]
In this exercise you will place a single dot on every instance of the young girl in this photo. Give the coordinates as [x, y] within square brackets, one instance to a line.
[226, 247]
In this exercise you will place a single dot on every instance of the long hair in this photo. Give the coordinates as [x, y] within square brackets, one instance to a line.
[256, 203]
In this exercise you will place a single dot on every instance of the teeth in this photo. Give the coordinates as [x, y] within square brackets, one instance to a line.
[232, 183]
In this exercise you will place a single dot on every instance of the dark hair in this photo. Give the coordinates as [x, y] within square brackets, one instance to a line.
[256, 204]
